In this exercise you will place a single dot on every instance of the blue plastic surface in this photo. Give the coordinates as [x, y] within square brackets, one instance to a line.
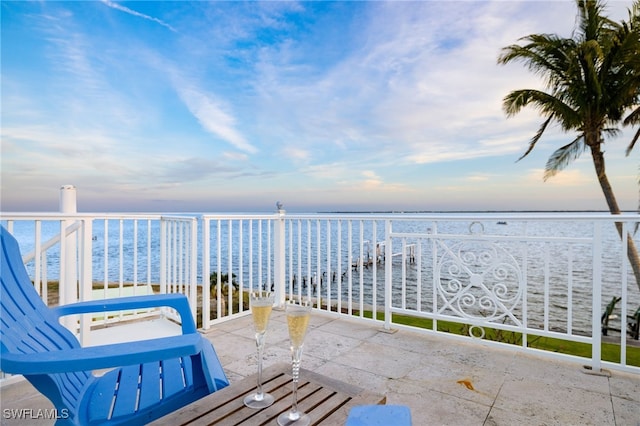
[379, 415]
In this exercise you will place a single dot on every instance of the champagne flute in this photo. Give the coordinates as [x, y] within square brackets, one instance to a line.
[298, 315]
[261, 305]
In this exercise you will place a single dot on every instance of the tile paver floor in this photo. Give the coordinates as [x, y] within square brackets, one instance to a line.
[443, 381]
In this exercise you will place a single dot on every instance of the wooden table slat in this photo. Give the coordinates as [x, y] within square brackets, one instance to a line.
[339, 416]
[326, 400]
[284, 400]
[282, 395]
[220, 403]
[322, 403]
[234, 411]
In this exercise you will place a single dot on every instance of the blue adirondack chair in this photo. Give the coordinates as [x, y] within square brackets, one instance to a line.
[149, 379]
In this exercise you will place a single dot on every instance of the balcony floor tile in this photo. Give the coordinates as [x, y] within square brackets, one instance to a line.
[442, 380]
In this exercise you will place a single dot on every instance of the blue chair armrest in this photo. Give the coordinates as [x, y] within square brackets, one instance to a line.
[105, 356]
[179, 302]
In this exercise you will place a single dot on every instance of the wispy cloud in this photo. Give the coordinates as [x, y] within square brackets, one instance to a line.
[213, 118]
[480, 177]
[417, 80]
[235, 156]
[296, 153]
[77, 87]
[567, 177]
[125, 9]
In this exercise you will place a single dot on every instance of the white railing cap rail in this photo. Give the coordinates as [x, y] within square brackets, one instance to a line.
[606, 216]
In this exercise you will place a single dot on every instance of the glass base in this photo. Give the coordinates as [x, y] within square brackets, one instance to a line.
[253, 401]
[301, 419]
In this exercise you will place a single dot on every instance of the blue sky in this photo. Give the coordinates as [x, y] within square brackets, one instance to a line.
[324, 106]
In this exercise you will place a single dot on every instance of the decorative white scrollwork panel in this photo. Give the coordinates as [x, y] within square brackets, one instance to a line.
[480, 280]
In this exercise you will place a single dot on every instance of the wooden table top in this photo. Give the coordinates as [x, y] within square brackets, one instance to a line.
[326, 400]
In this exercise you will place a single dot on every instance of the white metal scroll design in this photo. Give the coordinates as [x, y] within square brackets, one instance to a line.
[479, 280]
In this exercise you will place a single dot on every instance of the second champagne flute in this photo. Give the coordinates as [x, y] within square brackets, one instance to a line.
[298, 315]
[261, 305]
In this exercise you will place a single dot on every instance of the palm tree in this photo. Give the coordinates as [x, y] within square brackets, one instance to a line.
[592, 80]
[634, 61]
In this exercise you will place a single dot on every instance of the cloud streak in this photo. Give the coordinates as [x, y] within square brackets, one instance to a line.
[125, 9]
[213, 117]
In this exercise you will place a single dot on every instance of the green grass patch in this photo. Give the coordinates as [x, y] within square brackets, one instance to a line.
[610, 351]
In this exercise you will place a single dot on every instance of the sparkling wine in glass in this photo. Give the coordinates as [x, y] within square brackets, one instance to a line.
[261, 305]
[298, 315]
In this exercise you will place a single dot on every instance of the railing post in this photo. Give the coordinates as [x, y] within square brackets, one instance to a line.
[163, 256]
[206, 272]
[193, 267]
[388, 274]
[67, 286]
[279, 256]
[623, 294]
[596, 332]
[86, 274]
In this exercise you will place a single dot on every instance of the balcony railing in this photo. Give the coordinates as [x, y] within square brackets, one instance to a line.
[512, 280]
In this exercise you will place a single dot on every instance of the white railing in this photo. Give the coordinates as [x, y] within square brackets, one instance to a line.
[517, 279]
[543, 276]
[110, 255]
[240, 249]
[508, 279]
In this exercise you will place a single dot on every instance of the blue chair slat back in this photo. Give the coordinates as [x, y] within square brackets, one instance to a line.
[28, 326]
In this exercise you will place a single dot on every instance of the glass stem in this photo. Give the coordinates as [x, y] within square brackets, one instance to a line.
[296, 354]
[260, 345]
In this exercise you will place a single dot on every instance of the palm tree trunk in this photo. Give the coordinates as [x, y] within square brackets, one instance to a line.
[632, 251]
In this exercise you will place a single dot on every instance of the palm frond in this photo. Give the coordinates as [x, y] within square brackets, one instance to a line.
[562, 157]
[592, 21]
[611, 132]
[632, 118]
[633, 143]
[543, 54]
[549, 105]
[536, 138]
